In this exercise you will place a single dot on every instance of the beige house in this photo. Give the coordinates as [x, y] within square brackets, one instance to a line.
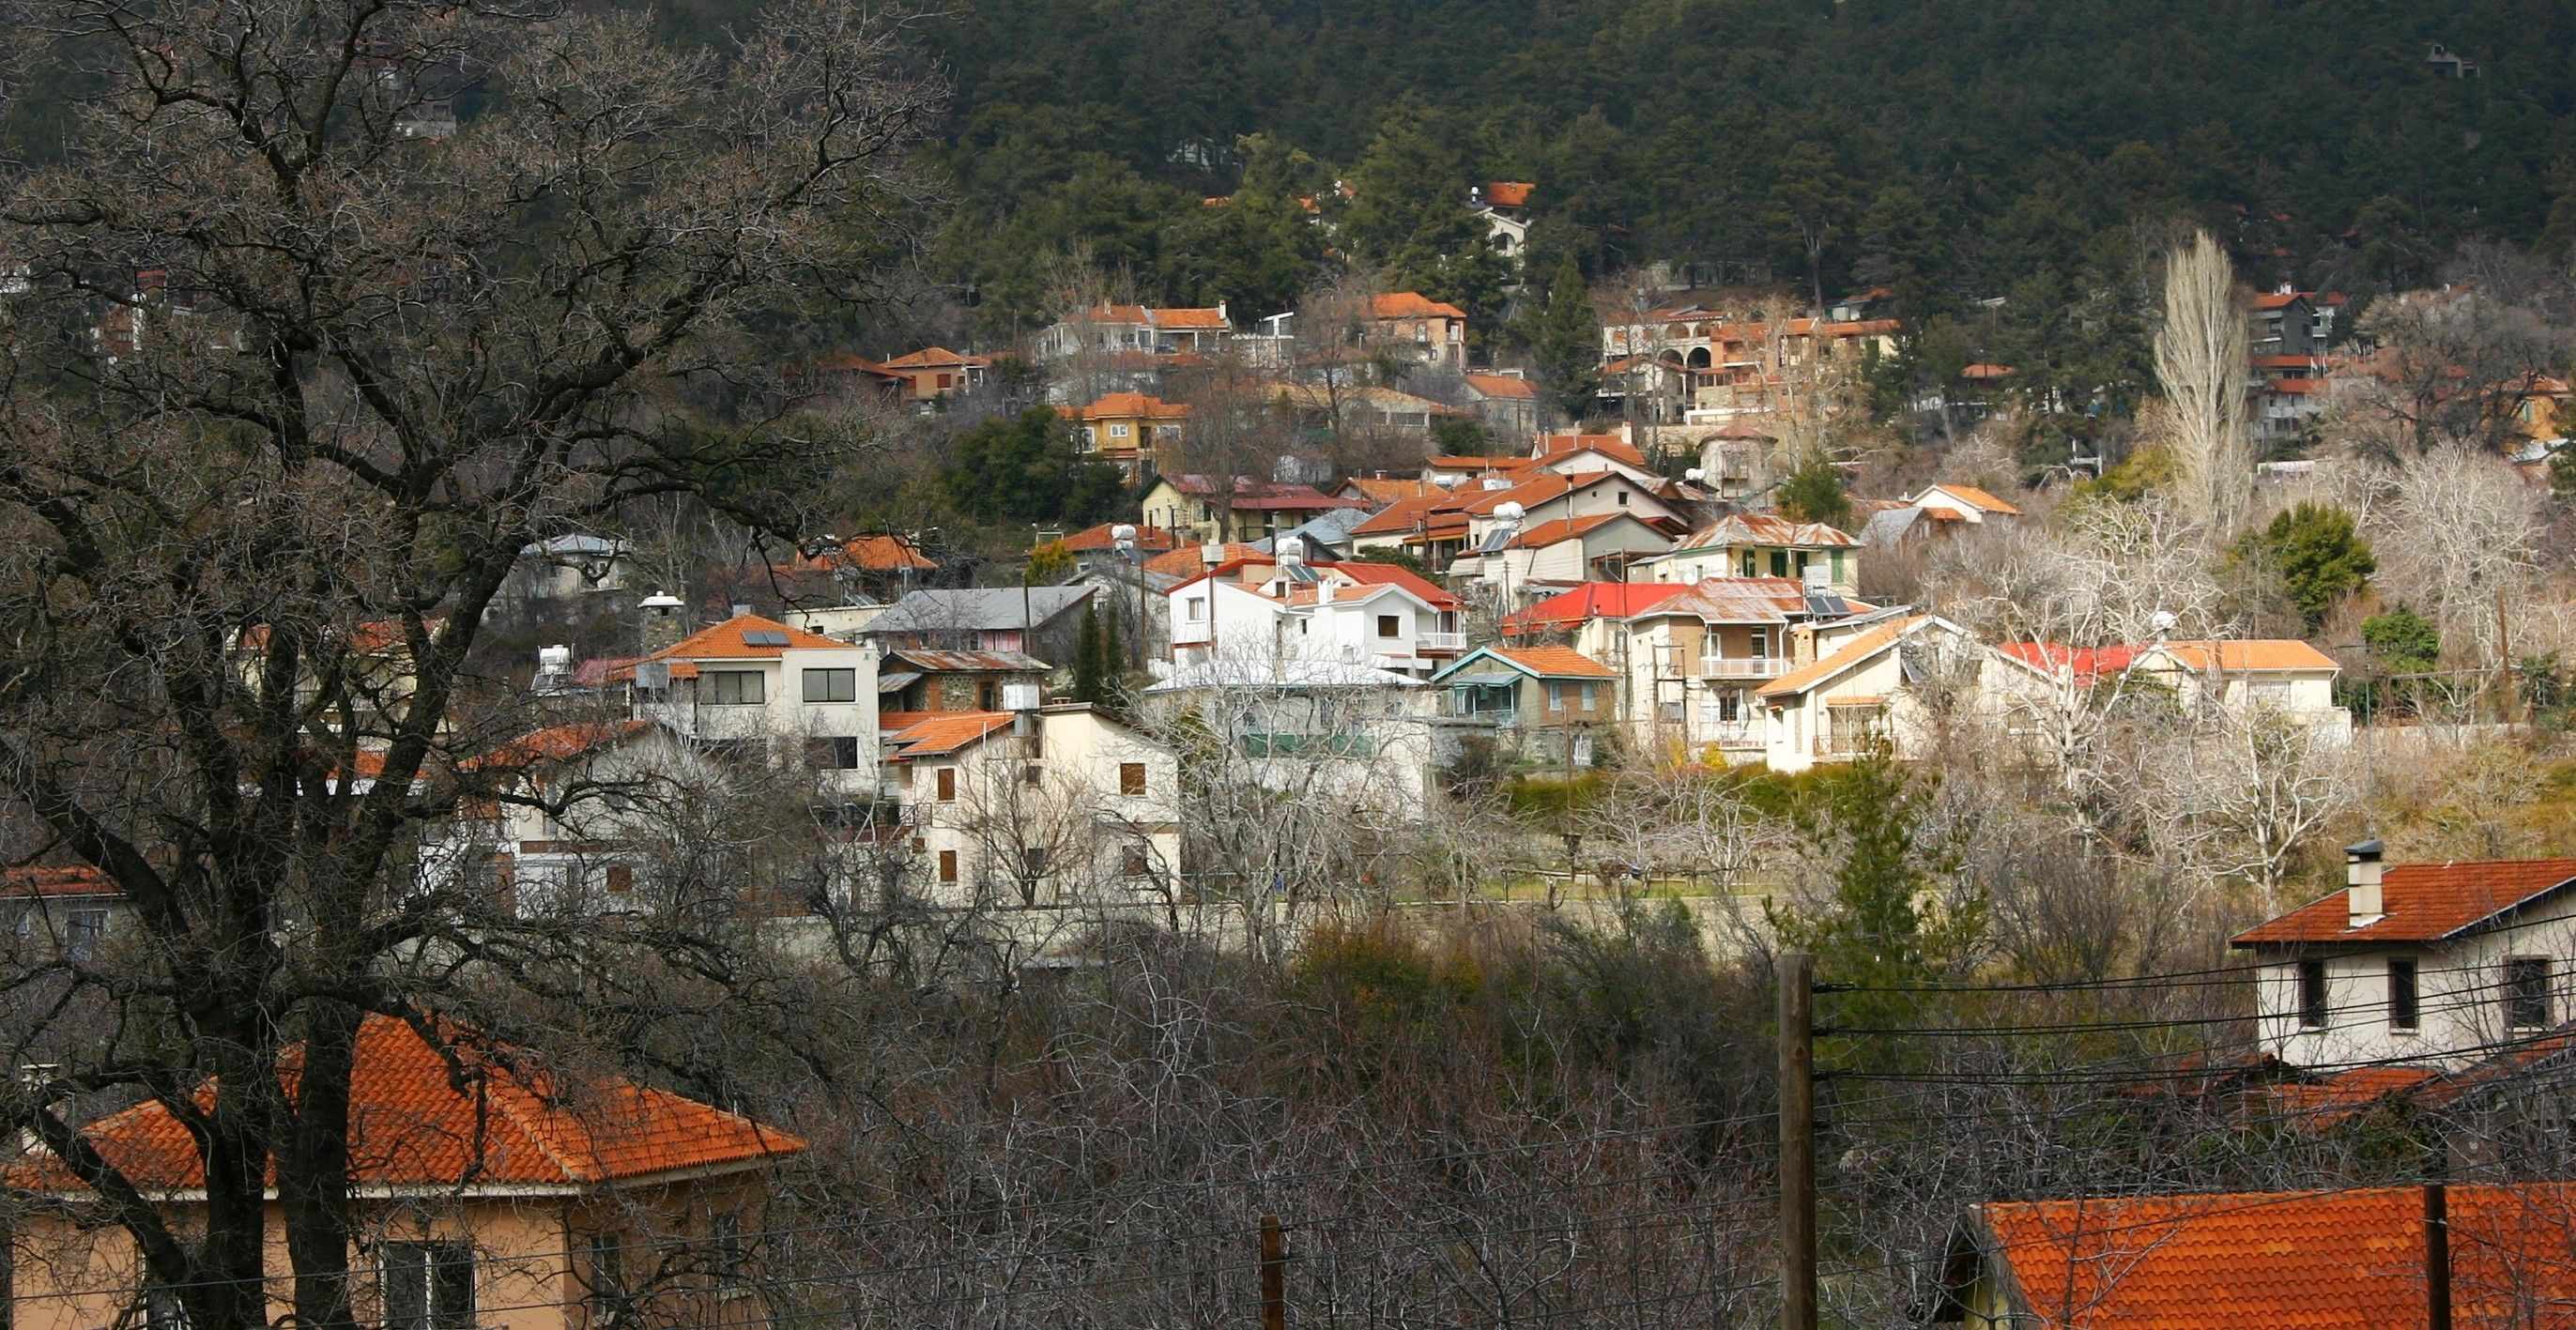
[1863, 685]
[1963, 503]
[1761, 545]
[1544, 698]
[755, 684]
[1692, 661]
[490, 1193]
[1059, 805]
[1411, 324]
[2282, 675]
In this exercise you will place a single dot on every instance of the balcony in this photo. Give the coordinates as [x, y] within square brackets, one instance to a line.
[1741, 667]
[1440, 641]
[1189, 634]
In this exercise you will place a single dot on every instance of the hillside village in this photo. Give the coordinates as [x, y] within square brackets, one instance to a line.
[601, 730]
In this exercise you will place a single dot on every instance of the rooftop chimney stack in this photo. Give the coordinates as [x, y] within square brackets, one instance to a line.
[663, 626]
[2362, 900]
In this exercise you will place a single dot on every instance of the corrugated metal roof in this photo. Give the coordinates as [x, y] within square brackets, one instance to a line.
[965, 662]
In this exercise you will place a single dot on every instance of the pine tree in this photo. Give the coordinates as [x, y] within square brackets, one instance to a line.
[1814, 492]
[1089, 658]
[1565, 340]
[1113, 665]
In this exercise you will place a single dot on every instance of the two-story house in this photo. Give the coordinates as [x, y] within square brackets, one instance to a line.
[1414, 326]
[1692, 660]
[1865, 682]
[1356, 735]
[1591, 617]
[1044, 806]
[2284, 676]
[1539, 558]
[2438, 963]
[1760, 545]
[934, 372]
[63, 912]
[1543, 699]
[1134, 432]
[1506, 401]
[752, 686]
[1352, 612]
[488, 1188]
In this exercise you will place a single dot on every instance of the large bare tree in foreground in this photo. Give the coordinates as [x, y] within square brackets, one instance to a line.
[2200, 363]
[296, 366]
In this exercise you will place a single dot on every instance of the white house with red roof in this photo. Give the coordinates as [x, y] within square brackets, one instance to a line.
[1351, 612]
[1048, 806]
[755, 685]
[2432, 964]
[561, 819]
[1964, 503]
[1190, 506]
[1542, 558]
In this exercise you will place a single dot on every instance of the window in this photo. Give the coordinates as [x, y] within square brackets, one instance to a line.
[1035, 856]
[835, 753]
[1197, 611]
[1556, 697]
[1032, 773]
[428, 1286]
[2312, 994]
[82, 930]
[2526, 993]
[607, 1275]
[1748, 563]
[731, 688]
[1131, 778]
[724, 1248]
[1387, 627]
[1137, 864]
[1623, 498]
[831, 686]
[1779, 563]
[621, 878]
[1090, 438]
[1590, 698]
[1117, 431]
[2402, 1007]
[947, 865]
[947, 784]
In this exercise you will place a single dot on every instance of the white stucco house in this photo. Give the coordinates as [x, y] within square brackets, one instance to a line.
[2437, 964]
[1352, 612]
[1051, 806]
[752, 684]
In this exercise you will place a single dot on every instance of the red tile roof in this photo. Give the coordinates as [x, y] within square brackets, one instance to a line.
[557, 743]
[2277, 299]
[2419, 903]
[2295, 387]
[1213, 319]
[1185, 562]
[1461, 462]
[1510, 386]
[884, 554]
[1977, 498]
[2285, 362]
[1554, 662]
[1391, 489]
[1983, 371]
[1405, 515]
[1411, 305]
[2325, 1260]
[2316, 1105]
[1592, 600]
[513, 1123]
[1508, 193]
[2087, 664]
[75, 880]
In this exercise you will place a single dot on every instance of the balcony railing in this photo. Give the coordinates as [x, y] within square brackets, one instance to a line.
[1741, 667]
[1189, 634]
[1440, 641]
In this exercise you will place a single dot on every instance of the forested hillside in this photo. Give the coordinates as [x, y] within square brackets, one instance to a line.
[1952, 149]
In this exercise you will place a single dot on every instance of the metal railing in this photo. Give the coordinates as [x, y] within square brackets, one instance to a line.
[1741, 667]
[1440, 641]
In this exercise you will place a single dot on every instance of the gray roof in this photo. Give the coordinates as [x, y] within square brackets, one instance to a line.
[976, 609]
[1888, 526]
[1332, 530]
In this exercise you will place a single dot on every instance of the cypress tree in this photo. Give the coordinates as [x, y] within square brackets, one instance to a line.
[1088, 659]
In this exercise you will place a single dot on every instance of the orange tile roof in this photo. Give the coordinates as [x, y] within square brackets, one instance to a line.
[1508, 193]
[724, 641]
[942, 733]
[1191, 318]
[1502, 385]
[1563, 528]
[513, 1124]
[75, 880]
[1411, 305]
[2276, 299]
[1851, 653]
[1185, 561]
[1986, 371]
[556, 743]
[1148, 538]
[2319, 1260]
[884, 554]
[1391, 489]
[1134, 406]
[2250, 656]
[2295, 387]
[2419, 903]
[2285, 362]
[1404, 515]
[2314, 1106]
[1606, 445]
[1461, 462]
[1977, 498]
[1554, 662]
[934, 357]
[1387, 574]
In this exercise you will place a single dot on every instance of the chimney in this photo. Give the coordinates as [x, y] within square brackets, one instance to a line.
[740, 609]
[2362, 901]
[663, 625]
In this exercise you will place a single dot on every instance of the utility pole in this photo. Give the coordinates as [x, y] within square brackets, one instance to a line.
[2504, 661]
[1797, 1141]
[1274, 1276]
[2437, 1257]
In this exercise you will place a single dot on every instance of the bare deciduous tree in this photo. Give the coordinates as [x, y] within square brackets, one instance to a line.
[2200, 362]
